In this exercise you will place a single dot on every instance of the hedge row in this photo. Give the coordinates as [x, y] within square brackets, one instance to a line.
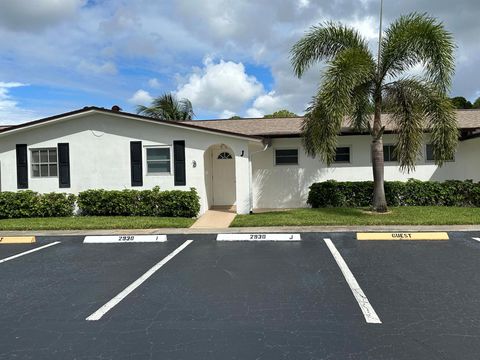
[175, 203]
[31, 204]
[411, 193]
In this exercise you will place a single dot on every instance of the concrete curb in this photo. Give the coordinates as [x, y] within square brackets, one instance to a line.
[270, 229]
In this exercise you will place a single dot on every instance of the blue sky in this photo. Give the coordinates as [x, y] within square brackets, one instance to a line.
[228, 57]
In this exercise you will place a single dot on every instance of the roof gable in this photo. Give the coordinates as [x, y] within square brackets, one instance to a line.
[93, 109]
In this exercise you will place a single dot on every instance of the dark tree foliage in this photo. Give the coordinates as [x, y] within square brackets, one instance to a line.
[281, 114]
[459, 102]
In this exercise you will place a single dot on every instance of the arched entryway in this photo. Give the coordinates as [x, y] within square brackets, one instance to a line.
[220, 184]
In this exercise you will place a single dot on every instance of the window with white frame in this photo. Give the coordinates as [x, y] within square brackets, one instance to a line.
[286, 156]
[44, 162]
[429, 153]
[158, 160]
[342, 154]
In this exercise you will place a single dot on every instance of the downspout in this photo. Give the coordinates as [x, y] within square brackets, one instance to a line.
[266, 142]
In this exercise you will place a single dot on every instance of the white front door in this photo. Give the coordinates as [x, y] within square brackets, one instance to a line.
[223, 177]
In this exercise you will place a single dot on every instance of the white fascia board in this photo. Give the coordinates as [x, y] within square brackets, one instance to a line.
[194, 128]
[92, 111]
[48, 122]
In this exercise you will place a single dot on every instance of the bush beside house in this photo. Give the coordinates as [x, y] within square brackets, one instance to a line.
[411, 193]
[27, 204]
[171, 203]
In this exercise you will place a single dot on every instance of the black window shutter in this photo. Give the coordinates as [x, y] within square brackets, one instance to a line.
[63, 165]
[136, 162]
[22, 166]
[179, 163]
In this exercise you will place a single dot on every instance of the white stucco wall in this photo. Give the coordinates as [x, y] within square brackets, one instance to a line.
[100, 155]
[286, 186]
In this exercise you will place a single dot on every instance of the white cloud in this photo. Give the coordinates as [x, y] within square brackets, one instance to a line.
[10, 111]
[154, 83]
[226, 114]
[254, 113]
[70, 44]
[12, 84]
[220, 86]
[271, 102]
[106, 68]
[303, 3]
[265, 104]
[34, 15]
[141, 97]
[366, 26]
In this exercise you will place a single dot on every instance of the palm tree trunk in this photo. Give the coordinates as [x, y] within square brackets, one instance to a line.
[379, 202]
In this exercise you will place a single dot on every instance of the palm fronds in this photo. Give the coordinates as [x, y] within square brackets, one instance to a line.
[168, 107]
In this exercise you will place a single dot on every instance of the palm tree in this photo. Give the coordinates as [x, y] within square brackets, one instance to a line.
[355, 85]
[168, 107]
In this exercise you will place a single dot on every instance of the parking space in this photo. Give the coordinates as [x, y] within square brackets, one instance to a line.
[211, 299]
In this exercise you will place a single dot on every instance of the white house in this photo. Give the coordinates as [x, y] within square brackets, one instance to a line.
[246, 163]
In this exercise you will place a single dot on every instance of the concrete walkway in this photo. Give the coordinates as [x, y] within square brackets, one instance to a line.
[214, 219]
[283, 229]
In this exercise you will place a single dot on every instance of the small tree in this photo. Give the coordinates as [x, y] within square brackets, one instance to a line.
[168, 107]
[459, 102]
[476, 103]
[281, 114]
[355, 85]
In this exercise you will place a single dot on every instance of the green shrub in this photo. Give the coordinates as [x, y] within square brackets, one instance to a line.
[107, 202]
[56, 205]
[31, 204]
[174, 203]
[411, 193]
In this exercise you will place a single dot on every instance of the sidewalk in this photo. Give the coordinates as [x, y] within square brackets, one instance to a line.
[214, 219]
[286, 229]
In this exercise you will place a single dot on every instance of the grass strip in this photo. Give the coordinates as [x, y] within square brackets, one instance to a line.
[94, 223]
[405, 215]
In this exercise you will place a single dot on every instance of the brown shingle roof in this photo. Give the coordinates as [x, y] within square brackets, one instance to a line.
[279, 126]
[467, 119]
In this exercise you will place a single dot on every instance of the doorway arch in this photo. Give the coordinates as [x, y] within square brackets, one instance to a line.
[220, 176]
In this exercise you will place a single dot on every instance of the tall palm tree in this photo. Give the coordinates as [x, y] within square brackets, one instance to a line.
[355, 85]
[168, 107]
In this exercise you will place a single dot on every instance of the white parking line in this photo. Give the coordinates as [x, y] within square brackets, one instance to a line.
[259, 237]
[97, 315]
[124, 239]
[367, 309]
[29, 252]
[478, 239]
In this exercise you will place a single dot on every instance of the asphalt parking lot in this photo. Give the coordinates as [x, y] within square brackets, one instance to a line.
[241, 300]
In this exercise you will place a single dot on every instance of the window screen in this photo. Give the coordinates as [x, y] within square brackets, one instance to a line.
[342, 154]
[158, 160]
[286, 156]
[389, 153]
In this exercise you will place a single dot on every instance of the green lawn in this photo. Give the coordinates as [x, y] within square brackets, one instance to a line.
[95, 223]
[412, 215]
